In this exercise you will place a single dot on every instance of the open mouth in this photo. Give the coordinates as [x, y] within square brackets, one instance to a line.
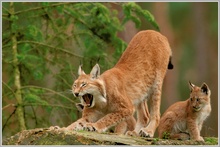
[88, 98]
[196, 108]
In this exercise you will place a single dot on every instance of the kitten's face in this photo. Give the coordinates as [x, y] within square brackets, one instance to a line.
[197, 102]
[199, 96]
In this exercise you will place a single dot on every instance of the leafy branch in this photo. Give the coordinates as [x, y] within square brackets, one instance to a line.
[40, 8]
[47, 89]
[49, 46]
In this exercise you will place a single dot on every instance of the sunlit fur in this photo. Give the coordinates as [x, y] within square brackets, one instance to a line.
[187, 117]
[125, 88]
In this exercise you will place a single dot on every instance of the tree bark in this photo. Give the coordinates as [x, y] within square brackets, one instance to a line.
[17, 82]
[56, 136]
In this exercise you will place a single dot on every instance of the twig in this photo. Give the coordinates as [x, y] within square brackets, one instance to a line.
[59, 76]
[6, 10]
[5, 107]
[8, 119]
[38, 8]
[8, 87]
[31, 86]
[48, 105]
[56, 48]
[35, 117]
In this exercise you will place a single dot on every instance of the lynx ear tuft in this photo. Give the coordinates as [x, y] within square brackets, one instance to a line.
[95, 72]
[80, 71]
[205, 88]
[191, 86]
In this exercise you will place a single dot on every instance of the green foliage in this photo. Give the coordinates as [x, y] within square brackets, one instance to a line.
[211, 140]
[133, 12]
[52, 39]
[166, 135]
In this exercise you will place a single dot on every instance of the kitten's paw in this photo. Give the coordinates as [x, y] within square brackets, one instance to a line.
[200, 138]
[145, 133]
[131, 133]
[89, 127]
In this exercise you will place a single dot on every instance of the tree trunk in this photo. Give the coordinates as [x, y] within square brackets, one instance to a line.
[19, 109]
[55, 136]
[161, 14]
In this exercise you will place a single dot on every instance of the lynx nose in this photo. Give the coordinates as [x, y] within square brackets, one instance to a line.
[76, 94]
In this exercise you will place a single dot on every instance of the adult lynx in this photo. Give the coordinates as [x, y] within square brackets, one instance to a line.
[183, 120]
[113, 96]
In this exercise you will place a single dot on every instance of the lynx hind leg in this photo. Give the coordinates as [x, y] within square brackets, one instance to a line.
[131, 122]
[166, 125]
[126, 125]
[154, 111]
[142, 118]
[121, 128]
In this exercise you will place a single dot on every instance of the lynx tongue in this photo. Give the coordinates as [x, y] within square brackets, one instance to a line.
[88, 98]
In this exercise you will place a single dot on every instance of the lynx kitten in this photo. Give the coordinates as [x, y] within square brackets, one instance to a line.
[183, 120]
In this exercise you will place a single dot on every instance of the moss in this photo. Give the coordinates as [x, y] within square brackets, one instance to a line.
[44, 136]
[166, 135]
[211, 140]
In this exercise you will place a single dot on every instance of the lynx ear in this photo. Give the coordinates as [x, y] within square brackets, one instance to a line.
[191, 86]
[205, 88]
[80, 71]
[95, 72]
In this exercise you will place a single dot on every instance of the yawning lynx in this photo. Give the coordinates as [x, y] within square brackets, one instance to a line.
[183, 120]
[113, 96]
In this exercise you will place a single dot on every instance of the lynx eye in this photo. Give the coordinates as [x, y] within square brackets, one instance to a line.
[198, 99]
[83, 84]
[191, 99]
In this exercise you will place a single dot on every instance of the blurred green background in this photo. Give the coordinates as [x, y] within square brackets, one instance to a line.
[44, 43]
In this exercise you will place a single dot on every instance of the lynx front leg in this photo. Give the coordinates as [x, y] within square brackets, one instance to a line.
[78, 125]
[108, 121]
[194, 130]
[142, 118]
[154, 112]
[89, 116]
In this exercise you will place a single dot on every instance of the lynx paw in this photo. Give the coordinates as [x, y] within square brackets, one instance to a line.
[131, 133]
[54, 127]
[145, 133]
[89, 127]
[200, 138]
[76, 126]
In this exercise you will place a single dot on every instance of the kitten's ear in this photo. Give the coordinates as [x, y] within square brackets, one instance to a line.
[80, 71]
[191, 86]
[205, 88]
[95, 72]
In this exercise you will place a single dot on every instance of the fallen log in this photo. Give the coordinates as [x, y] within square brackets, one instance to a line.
[56, 136]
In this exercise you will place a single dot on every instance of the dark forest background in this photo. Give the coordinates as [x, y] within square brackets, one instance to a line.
[44, 43]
